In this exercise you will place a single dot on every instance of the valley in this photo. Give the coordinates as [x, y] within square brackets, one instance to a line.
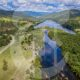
[25, 41]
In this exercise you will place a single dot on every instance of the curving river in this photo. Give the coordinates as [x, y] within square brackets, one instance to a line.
[51, 54]
[52, 60]
[53, 24]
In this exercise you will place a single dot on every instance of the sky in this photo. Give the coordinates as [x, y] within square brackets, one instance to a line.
[39, 5]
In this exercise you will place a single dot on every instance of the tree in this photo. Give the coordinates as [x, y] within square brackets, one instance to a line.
[5, 65]
[37, 63]
[30, 28]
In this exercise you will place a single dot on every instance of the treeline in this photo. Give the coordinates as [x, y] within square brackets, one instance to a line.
[72, 24]
[7, 26]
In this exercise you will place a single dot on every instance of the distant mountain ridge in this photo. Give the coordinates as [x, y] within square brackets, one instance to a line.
[26, 13]
[59, 16]
[6, 13]
[17, 14]
[62, 16]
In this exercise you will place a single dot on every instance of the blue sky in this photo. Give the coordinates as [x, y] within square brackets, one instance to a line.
[39, 5]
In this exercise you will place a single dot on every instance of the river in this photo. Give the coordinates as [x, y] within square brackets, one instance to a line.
[52, 60]
[53, 24]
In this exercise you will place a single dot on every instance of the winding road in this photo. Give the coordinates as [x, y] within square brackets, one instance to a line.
[10, 44]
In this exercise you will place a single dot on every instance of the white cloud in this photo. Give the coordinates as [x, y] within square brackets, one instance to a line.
[3, 2]
[22, 1]
[36, 8]
[40, 5]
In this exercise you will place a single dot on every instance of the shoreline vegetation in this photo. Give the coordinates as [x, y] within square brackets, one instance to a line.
[70, 45]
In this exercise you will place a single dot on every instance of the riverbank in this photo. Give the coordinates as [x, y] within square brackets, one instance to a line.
[58, 38]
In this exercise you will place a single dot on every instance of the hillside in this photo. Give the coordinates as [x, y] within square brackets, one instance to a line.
[63, 16]
[4, 13]
[60, 17]
[18, 14]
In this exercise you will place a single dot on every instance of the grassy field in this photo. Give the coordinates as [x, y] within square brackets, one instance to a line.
[6, 75]
[27, 54]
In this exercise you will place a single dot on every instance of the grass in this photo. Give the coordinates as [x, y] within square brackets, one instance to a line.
[6, 75]
[25, 48]
[27, 54]
[38, 35]
[37, 75]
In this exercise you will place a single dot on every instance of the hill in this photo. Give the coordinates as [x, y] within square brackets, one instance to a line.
[18, 14]
[62, 16]
[4, 13]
